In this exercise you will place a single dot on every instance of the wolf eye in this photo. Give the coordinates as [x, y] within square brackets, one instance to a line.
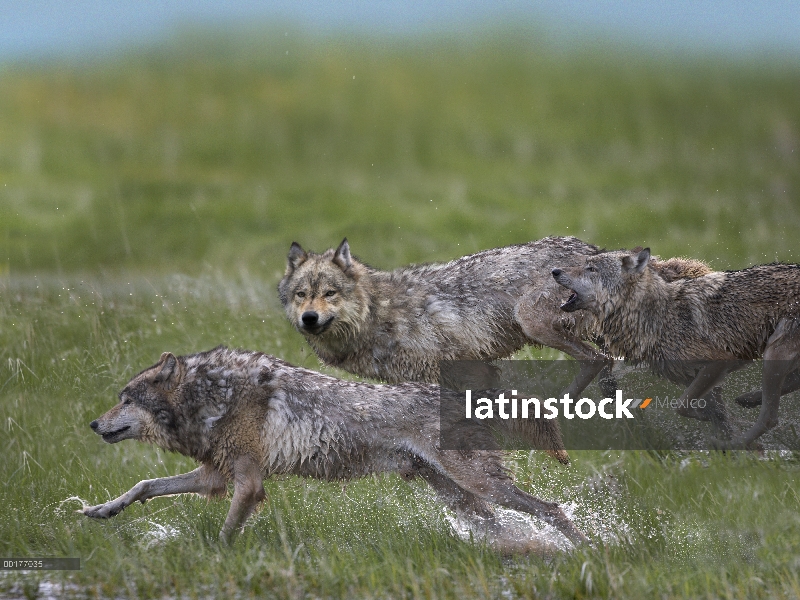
[591, 268]
[330, 293]
[301, 294]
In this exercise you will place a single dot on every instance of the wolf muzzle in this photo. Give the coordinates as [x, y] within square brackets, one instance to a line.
[571, 305]
[110, 437]
[311, 323]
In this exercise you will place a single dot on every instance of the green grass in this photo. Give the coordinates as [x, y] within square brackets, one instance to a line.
[147, 203]
[205, 153]
[678, 524]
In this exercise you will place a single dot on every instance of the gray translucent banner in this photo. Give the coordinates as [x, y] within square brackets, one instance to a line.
[520, 405]
[40, 564]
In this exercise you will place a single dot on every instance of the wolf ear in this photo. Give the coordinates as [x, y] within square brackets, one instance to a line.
[636, 264]
[297, 256]
[169, 375]
[342, 256]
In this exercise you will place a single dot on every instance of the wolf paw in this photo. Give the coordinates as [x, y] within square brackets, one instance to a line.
[102, 511]
[750, 399]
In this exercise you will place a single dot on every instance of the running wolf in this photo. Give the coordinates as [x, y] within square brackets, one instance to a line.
[695, 331]
[245, 416]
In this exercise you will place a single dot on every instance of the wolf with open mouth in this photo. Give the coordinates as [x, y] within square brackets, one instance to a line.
[695, 331]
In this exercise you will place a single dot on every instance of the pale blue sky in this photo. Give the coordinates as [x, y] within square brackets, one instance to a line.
[31, 28]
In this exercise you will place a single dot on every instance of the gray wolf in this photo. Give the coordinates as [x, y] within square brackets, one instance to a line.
[245, 416]
[695, 331]
[398, 325]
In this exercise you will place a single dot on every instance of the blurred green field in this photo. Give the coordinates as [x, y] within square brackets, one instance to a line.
[208, 151]
[147, 202]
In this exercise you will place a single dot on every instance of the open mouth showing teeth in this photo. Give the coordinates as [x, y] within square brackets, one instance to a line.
[109, 437]
[569, 305]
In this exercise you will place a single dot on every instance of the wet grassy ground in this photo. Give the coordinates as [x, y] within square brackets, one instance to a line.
[147, 203]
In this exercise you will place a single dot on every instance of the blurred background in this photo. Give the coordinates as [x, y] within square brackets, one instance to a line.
[177, 137]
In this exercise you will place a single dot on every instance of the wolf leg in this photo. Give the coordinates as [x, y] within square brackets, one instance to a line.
[481, 515]
[714, 410]
[607, 381]
[780, 359]
[540, 319]
[482, 475]
[205, 480]
[248, 491]
[774, 373]
[754, 398]
[505, 493]
[707, 378]
[706, 386]
[590, 360]
[463, 503]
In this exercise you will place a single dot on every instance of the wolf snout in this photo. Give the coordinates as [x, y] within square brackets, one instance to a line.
[556, 272]
[310, 318]
[94, 425]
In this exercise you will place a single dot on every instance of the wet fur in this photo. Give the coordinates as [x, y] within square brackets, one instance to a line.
[694, 331]
[245, 416]
[399, 325]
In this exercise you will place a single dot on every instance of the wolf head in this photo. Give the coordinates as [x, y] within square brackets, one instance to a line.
[321, 293]
[601, 278]
[146, 409]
